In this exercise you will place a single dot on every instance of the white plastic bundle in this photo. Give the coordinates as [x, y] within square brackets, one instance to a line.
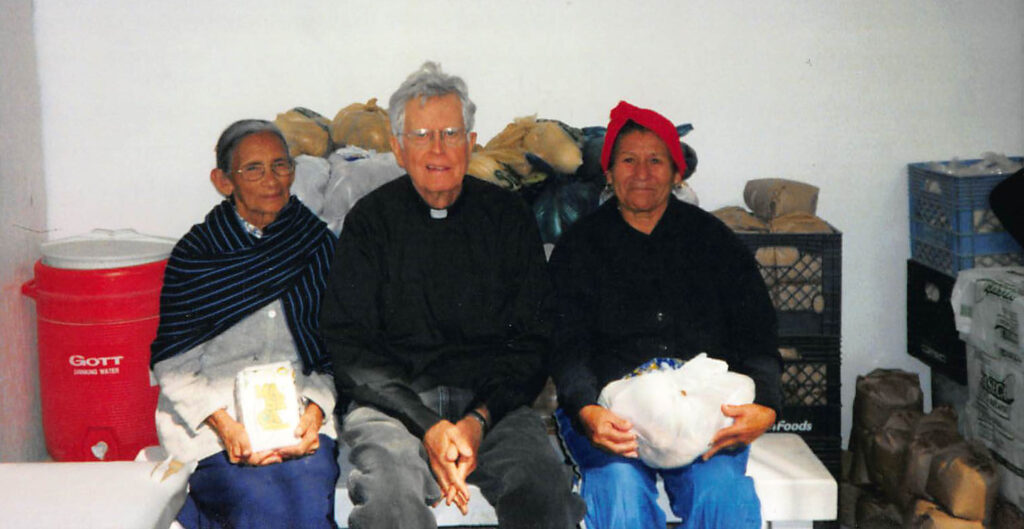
[676, 412]
[311, 175]
[354, 173]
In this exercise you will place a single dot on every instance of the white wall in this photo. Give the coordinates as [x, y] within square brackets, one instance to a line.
[23, 217]
[839, 94]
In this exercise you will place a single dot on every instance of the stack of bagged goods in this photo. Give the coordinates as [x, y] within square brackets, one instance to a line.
[781, 206]
[911, 469]
[338, 162]
[539, 158]
[527, 152]
[879, 394]
[988, 306]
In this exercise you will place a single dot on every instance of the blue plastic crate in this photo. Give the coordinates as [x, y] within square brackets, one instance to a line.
[955, 203]
[952, 227]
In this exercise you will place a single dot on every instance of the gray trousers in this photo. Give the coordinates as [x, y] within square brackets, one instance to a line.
[518, 470]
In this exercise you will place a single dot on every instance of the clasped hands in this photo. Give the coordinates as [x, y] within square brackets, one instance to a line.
[612, 433]
[239, 450]
[452, 453]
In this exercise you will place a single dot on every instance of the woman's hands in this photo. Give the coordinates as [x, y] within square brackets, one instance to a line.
[608, 431]
[239, 450]
[236, 441]
[308, 433]
[749, 422]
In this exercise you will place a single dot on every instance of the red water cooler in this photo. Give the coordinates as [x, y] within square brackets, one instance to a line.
[98, 304]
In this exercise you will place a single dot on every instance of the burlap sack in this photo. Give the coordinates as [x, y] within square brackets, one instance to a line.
[964, 481]
[362, 125]
[769, 198]
[305, 132]
[887, 456]
[741, 220]
[550, 141]
[875, 512]
[798, 223]
[922, 449]
[925, 514]
[878, 394]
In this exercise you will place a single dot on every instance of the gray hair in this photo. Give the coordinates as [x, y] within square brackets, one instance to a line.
[238, 131]
[429, 81]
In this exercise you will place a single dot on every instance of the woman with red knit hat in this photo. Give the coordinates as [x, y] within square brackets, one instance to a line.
[648, 278]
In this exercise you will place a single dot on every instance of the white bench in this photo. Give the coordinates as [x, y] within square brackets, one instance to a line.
[794, 486]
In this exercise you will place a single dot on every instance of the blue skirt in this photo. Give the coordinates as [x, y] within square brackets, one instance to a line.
[297, 493]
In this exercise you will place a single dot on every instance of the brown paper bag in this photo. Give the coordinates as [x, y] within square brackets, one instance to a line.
[887, 457]
[927, 515]
[964, 481]
[741, 220]
[769, 198]
[798, 223]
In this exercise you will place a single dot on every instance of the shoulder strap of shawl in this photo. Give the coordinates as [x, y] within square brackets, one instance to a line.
[218, 274]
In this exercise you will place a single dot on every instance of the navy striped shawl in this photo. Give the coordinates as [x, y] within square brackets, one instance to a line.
[218, 274]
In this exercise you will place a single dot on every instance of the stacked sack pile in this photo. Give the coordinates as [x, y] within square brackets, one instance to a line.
[555, 167]
[911, 469]
[799, 255]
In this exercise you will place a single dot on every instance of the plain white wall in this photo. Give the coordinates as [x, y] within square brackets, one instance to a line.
[839, 94]
[23, 217]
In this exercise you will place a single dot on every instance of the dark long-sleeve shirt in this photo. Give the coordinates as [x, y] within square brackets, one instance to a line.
[623, 297]
[414, 302]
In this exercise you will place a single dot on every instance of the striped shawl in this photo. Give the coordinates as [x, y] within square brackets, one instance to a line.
[218, 274]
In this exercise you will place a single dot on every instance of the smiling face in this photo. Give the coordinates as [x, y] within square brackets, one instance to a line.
[258, 202]
[642, 174]
[436, 168]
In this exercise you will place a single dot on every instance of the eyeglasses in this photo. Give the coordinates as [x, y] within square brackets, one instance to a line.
[451, 136]
[255, 171]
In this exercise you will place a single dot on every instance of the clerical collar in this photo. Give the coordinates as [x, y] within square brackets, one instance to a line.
[438, 213]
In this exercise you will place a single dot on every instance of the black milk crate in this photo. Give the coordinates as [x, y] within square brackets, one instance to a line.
[811, 383]
[952, 226]
[931, 330]
[803, 273]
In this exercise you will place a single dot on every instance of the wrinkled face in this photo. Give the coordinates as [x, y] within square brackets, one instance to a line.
[258, 202]
[641, 173]
[438, 166]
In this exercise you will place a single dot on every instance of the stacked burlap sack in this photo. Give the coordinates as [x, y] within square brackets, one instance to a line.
[911, 469]
[553, 166]
[793, 278]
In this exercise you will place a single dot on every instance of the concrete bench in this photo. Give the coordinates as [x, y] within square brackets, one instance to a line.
[794, 486]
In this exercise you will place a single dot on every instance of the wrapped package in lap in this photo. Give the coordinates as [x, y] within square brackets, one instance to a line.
[675, 412]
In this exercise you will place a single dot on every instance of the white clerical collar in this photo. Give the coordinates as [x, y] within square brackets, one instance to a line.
[438, 213]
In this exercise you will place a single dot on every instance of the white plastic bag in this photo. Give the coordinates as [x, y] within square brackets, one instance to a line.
[676, 411]
[311, 175]
[354, 173]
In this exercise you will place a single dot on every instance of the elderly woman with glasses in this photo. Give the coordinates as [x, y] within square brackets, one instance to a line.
[647, 277]
[243, 288]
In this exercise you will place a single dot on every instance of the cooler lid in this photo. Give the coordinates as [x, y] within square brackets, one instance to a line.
[105, 249]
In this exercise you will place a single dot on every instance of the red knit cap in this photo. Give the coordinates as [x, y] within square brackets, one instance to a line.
[649, 119]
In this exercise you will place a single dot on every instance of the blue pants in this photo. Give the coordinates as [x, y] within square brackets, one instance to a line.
[297, 493]
[621, 492]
